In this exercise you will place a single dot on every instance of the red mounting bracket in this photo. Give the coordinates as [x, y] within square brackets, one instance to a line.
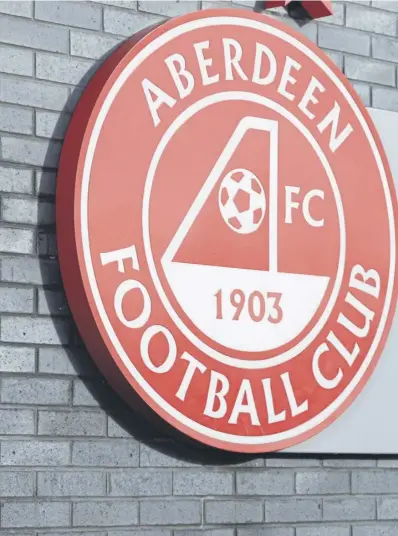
[301, 10]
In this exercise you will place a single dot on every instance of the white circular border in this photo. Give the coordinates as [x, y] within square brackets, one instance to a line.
[177, 123]
[136, 61]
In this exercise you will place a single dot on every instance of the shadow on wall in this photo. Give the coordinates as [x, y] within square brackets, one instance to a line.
[132, 423]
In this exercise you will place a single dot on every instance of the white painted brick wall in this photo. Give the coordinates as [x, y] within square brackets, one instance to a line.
[74, 459]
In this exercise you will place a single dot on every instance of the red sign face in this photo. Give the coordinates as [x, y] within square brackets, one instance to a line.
[226, 222]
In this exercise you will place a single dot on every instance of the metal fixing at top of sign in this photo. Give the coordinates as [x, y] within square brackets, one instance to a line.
[300, 10]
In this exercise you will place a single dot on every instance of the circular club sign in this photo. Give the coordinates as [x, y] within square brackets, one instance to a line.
[226, 226]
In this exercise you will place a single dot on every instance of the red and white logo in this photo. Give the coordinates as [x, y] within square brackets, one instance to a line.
[226, 225]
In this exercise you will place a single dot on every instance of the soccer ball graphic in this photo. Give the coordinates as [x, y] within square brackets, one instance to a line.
[242, 202]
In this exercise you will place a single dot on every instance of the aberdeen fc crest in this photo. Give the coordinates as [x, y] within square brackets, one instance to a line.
[226, 224]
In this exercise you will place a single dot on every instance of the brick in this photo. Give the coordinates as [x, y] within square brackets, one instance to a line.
[40, 36]
[292, 510]
[309, 30]
[16, 120]
[387, 508]
[388, 5]
[348, 462]
[46, 213]
[75, 94]
[336, 57]
[57, 361]
[370, 20]
[38, 514]
[90, 45]
[72, 361]
[363, 91]
[208, 532]
[82, 395]
[42, 244]
[68, 483]
[63, 69]
[51, 124]
[26, 532]
[375, 481]
[338, 14]
[202, 482]
[52, 249]
[115, 429]
[101, 513]
[242, 462]
[243, 3]
[222, 4]
[249, 4]
[385, 99]
[28, 151]
[35, 453]
[335, 530]
[14, 180]
[47, 243]
[45, 183]
[138, 531]
[292, 462]
[362, 2]
[172, 8]
[16, 60]
[388, 462]
[107, 453]
[273, 531]
[370, 71]
[166, 512]
[151, 457]
[33, 93]
[265, 483]
[52, 302]
[30, 271]
[79, 14]
[76, 533]
[17, 484]
[344, 40]
[34, 330]
[238, 511]
[14, 359]
[35, 391]
[16, 300]
[354, 509]
[322, 482]
[375, 530]
[128, 4]
[16, 240]
[16, 421]
[17, 8]
[71, 423]
[139, 483]
[16, 210]
[129, 23]
[385, 49]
